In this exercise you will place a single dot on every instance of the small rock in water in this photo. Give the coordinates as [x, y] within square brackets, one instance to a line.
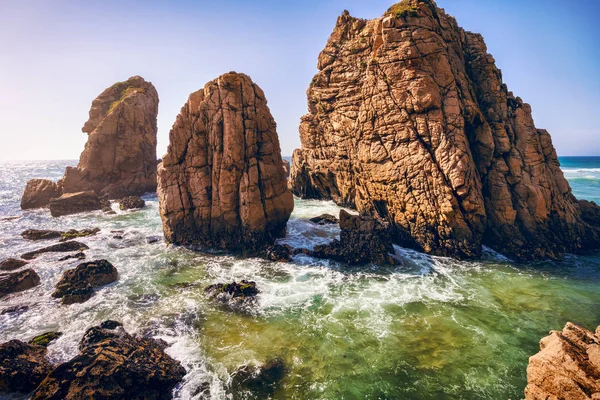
[74, 203]
[131, 203]
[278, 252]
[76, 256]
[40, 234]
[106, 206]
[238, 296]
[10, 264]
[261, 380]
[45, 338]
[74, 233]
[22, 366]
[11, 218]
[153, 239]
[77, 285]
[18, 281]
[65, 247]
[19, 309]
[324, 219]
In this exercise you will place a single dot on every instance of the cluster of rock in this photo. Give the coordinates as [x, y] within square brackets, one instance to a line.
[111, 364]
[567, 367]
[222, 182]
[409, 120]
[119, 158]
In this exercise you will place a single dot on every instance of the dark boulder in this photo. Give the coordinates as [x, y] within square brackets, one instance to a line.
[74, 203]
[75, 256]
[278, 253]
[590, 212]
[18, 281]
[38, 193]
[18, 309]
[40, 234]
[237, 296]
[10, 264]
[65, 247]
[111, 365]
[261, 380]
[77, 285]
[324, 219]
[131, 203]
[22, 366]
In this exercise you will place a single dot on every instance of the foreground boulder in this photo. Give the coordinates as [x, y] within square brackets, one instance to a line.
[38, 193]
[409, 120]
[18, 281]
[65, 247]
[131, 203]
[363, 240]
[260, 380]
[567, 366]
[77, 285]
[22, 366]
[10, 264]
[112, 364]
[74, 203]
[222, 183]
[119, 158]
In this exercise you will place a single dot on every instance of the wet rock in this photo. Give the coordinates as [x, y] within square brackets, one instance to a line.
[22, 366]
[45, 338]
[18, 281]
[77, 285]
[113, 364]
[40, 234]
[409, 119]
[10, 264]
[260, 380]
[18, 309]
[363, 239]
[74, 203]
[120, 153]
[74, 233]
[590, 212]
[237, 296]
[131, 203]
[153, 239]
[38, 193]
[221, 183]
[567, 366]
[76, 256]
[278, 253]
[324, 219]
[11, 218]
[64, 247]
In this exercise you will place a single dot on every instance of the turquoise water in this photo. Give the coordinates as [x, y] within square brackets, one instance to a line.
[431, 328]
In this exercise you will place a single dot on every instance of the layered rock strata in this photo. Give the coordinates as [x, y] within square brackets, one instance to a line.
[222, 182]
[409, 120]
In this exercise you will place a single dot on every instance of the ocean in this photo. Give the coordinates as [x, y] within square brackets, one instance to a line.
[431, 328]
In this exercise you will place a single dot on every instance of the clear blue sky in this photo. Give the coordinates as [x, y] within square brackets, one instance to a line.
[57, 56]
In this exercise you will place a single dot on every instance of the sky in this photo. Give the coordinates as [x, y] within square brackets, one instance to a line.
[57, 56]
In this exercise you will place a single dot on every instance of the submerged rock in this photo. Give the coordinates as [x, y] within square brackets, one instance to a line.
[45, 338]
[10, 264]
[76, 256]
[260, 380]
[74, 203]
[22, 366]
[324, 219]
[409, 119]
[40, 234]
[131, 203]
[237, 296]
[64, 247]
[119, 158]
[18, 281]
[38, 193]
[18, 309]
[222, 184]
[77, 285]
[113, 364]
[278, 252]
[74, 233]
[567, 366]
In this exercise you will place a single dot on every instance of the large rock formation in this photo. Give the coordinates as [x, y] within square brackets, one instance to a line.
[22, 366]
[119, 158]
[567, 367]
[409, 119]
[222, 183]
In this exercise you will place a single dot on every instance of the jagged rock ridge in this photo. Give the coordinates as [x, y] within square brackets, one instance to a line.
[409, 119]
[222, 183]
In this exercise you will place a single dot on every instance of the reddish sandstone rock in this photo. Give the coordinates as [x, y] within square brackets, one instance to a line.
[38, 193]
[77, 285]
[74, 203]
[567, 366]
[222, 182]
[409, 119]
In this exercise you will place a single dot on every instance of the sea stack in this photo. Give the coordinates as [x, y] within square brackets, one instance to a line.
[409, 120]
[222, 183]
[119, 158]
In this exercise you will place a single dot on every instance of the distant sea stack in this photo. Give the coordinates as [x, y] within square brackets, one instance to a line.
[222, 183]
[119, 158]
[409, 120]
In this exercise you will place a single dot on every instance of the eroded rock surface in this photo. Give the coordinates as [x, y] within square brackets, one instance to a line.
[77, 285]
[567, 366]
[131, 203]
[18, 281]
[38, 193]
[222, 183]
[409, 120]
[22, 366]
[74, 203]
[113, 364]
[11, 264]
[64, 247]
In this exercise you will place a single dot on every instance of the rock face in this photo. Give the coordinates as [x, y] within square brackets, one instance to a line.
[409, 119]
[74, 203]
[38, 193]
[112, 364]
[119, 158]
[22, 366]
[222, 183]
[18, 281]
[77, 285]
[567, 367]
